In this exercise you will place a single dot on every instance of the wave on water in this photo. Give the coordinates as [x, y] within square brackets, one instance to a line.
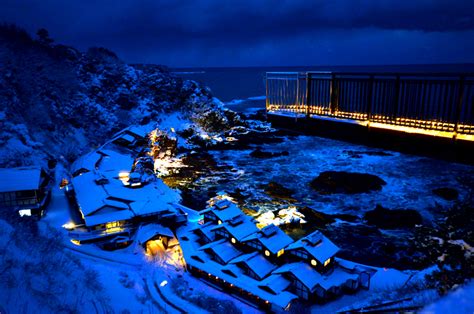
[240, 101]
[257, 98]
[235, 102]
[187, 72]
[248, 105]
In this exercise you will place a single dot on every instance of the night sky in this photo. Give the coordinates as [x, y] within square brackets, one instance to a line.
[185, 33]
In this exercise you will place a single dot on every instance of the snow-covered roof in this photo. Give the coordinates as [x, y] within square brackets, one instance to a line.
[230, 272]
[140, 130]
[317, 245]
[239, 227]
[115, 162]
[128, 138]
[20, 179]
[87, 161]
[206, 229]
[223, 249]
[224, 210]
[151, 198]
[311, 278]
[146, 232]
[103, 160]
[89, 195]
[275, 283]
[256, 262]
[271, 237]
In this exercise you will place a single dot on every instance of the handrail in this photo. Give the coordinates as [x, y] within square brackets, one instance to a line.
[432, 101]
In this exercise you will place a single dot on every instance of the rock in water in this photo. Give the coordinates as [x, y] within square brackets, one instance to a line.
[258, 153]
[393, 219]
[329, 182]
[448, 194]
[277, 190]
[316, 218]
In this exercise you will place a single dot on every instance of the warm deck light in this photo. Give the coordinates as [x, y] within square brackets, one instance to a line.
[163, 283]
[24, 212]
[124, 175]
[314, 262]
[407, 125]
[327, 262]
[76, 242]
[219, 222]
[280, 253]
[69, 226]
[267, 253]
[233, 240]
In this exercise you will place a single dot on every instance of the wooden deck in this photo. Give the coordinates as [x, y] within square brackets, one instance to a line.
[410, 111]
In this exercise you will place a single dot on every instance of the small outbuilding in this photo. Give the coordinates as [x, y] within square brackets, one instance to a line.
[26, 190]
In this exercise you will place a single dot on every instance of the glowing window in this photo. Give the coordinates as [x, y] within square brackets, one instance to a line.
[314, 262]
[233, 240]
[267, 253]
[327, 262]
[113, 224]
[280, 253]
[24, 212]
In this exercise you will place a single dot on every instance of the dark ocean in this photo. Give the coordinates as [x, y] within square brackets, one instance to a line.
[243, 89]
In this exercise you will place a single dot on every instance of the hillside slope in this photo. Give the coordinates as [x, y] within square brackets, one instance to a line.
[58, 102]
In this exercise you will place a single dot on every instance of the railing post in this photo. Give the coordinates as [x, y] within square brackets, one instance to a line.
[334, 94]
[369, 97]
[308, 93]
[298, 103]
[459, 104]
[267, 100]
[396, 98]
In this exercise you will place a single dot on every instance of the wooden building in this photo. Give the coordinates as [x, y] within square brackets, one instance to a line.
[26, 190]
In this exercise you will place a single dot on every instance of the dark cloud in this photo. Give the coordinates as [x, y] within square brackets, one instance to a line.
[152, 30]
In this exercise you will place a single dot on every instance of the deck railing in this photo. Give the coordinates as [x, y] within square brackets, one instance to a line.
[434, 101]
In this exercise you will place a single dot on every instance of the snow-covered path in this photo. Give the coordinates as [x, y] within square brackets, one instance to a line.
[59, 209]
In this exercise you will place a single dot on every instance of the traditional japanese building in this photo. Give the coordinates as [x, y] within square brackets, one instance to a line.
[132, 136]
[314, 249]
[265, 266]
[221, 211]
[236, 228]
[25, 190]
[109, 211]
[270, 241]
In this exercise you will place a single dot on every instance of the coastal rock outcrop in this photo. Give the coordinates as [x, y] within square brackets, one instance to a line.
[448, 194]
[259, 153]
[385, 218]
[330, 182]
[277, 190]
